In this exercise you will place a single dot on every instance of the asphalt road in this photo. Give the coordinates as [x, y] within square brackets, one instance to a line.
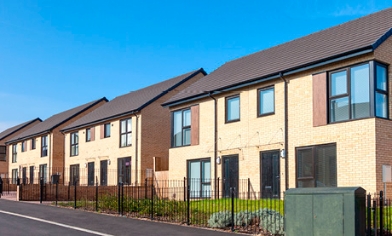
[21, 218]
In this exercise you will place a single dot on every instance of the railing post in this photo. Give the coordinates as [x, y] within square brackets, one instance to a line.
[381, 213]
[57, 189]
[152, 200]
[375, 217]
[118, 198]
[122, 199]
[145, 188]
[75, 194]
[96, 194]
[218, 186]
[248, 188]
[232, 208]
[41, 189]
[188, 193]
[184, 189]
[369, 214]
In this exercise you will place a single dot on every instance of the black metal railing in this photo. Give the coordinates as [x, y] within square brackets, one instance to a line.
[188, 201]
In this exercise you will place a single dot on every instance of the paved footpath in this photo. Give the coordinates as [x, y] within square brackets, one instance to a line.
[23, 218]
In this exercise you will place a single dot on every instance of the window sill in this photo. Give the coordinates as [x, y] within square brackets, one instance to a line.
[232, 121]
[126, 146]
[266, 114]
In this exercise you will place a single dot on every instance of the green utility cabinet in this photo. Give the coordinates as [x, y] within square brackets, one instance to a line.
[325, 211]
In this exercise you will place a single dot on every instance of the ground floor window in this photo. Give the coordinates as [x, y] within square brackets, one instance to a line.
[124, 170]
[74, 174]
[43, 172]
[316, 166]
[90, 173]
[104, 173]
[199, 178]
[14, 175]
[32, 174]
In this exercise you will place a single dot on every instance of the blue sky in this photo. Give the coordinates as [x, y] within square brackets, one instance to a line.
[55, 55]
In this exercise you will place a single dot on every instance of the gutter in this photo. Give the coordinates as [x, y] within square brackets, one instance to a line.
[215, 140]
[286, 133]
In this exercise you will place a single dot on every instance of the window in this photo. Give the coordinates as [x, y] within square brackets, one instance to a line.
[106, 130]
[181, 128]
[381, 91]
[24, 146]
[14, 176]
[32, 174]
[104, 173]
[351, 96]
[199, 178]
[124, 170]
[74, 144]
[126, 133]
[3, 152]
[32, 143]
[14, 153]
[233, 108]
[90, 173]
[44, 146]
[74, 174]
[316, 166]
[88, 135]
[266, 101]
[43, 172]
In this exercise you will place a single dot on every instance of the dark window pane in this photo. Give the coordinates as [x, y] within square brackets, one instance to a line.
[360, 98]
[326, 175]
[381, 77]
[339, 109]
[339, 83]
[305, 163]
[381, 105]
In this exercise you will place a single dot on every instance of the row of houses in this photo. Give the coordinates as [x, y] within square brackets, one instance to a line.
[312, 112]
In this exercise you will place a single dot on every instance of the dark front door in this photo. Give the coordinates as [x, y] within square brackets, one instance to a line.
[270, 174]
[104, 173]
[230, 175]
[24, 175]
[90, 173]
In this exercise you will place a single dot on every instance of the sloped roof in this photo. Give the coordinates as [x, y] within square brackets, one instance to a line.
[365, 33]
[133, 101]
[16, 128]
[55, 120]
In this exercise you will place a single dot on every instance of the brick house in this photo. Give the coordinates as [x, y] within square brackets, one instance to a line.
[8, 134]
[311, 112]
[39, 151]
[125, 140]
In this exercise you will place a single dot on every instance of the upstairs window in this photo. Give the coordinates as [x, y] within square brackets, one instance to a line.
[351, 95]
[14, 153]
[32, 143]
[232, 109]
[181, 132]
[74, 144]
[88, 135]
[106, 131]
[266, 101]
[3, 152]
[44, 146]
[24, 143]
[126, 133]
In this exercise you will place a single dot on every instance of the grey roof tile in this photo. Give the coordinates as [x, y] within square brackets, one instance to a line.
[366, 32]
[133, 101]
[55, 120]
[16, 128]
